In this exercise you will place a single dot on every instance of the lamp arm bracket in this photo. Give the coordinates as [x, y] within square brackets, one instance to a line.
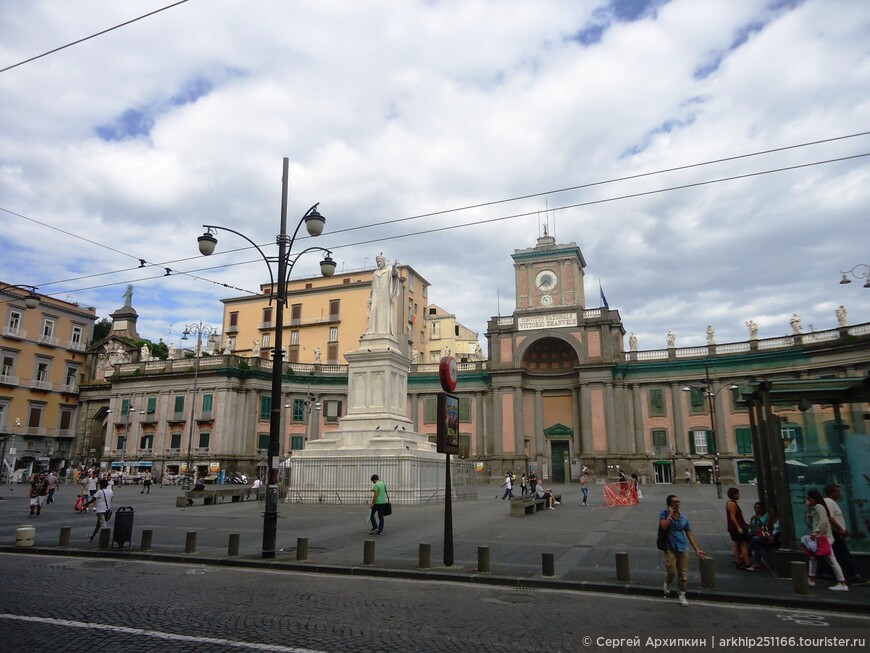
[254, 245]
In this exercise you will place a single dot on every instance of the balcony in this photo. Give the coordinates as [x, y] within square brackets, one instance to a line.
[40, 385]
[177, 417]
[74, 345]
[8, 380]
[266, 325]
[206, 416]
[49, 341]
[14, 332]
[232, 328]
[69, 388]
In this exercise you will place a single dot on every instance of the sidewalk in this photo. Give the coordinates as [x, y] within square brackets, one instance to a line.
[583, 541]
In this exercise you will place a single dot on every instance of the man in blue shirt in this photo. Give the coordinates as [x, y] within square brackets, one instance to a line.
[680, 536]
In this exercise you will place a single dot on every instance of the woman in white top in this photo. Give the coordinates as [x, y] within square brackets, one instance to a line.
[818, 519]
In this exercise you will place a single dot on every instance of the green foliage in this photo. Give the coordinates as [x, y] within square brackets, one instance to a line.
[102, 329]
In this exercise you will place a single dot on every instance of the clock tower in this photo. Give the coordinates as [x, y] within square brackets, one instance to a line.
[549, 275]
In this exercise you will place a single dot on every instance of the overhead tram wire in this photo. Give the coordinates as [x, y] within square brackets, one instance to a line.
[92, 36]
[473, 223]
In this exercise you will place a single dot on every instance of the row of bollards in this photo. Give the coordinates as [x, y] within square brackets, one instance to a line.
[25, 536]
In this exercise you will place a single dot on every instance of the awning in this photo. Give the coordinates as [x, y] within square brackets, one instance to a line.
[661, 462]
[703, 463]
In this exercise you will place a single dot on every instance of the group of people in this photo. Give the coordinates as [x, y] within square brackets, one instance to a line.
[529, 486]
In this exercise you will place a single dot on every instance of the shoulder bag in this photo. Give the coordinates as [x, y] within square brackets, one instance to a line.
[108, 512]
[388, 507]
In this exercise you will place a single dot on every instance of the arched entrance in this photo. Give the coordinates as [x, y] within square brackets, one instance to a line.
[548, 354]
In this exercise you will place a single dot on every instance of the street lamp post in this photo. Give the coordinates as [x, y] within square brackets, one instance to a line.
[707, 391]
[860, 271]
[199, 329]
[314, 223]
[31, 300]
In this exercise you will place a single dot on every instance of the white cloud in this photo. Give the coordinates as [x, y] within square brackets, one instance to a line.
[388, 110]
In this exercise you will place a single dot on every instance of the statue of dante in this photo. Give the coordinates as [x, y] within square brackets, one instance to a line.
[128, 296]
[385, 289]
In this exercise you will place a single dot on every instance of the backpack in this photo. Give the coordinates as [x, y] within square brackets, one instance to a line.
[662, 539]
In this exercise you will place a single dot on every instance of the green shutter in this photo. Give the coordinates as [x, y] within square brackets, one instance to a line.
[125, 406]
[692, 449]
[430, 409]
[299, 411]
[179, 404]
[262, 441]
[152, 405]
[743, 435]
[207, 401]
[265, 407]
[204, 439]
[711, 442]
[297, 442]
[465, 409]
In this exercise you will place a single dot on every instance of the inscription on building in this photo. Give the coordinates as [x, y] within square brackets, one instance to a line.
[553, 321]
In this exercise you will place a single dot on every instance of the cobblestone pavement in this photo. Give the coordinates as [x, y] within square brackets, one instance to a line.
[581, 540]
[79, 605]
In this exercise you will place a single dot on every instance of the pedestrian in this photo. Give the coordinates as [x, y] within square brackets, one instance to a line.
[102, 501]
[679, 537]
[533, 481]
[508, 486]
[53, 484]
[379, 501]
[38, 493]
[623, 483]
[91, 485]
[819, 522]
[584, 486]
[146, 482]
[255, 488]
[738, 530]
[688, 477]
[833, 495]
[524, 484]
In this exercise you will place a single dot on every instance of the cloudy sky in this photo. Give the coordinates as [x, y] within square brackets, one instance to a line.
[445, 133]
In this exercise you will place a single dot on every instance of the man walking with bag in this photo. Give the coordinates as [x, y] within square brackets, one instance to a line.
[378, 504]
[103, 501]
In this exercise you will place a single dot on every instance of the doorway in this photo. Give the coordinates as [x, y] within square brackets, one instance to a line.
[559, 451]
[663, 472]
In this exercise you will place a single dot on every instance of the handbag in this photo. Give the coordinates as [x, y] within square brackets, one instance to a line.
[824, 546]
[108, 512]
[388, 506]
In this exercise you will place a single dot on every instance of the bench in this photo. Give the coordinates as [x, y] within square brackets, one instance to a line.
[212, 496]
[528, 505]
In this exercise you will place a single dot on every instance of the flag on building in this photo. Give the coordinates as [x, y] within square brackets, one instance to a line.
[603, 298]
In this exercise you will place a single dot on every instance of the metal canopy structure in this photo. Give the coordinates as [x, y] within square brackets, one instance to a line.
[760, 397]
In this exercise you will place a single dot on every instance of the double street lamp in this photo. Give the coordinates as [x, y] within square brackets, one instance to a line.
[706, 390]
[314, 223]
[200, 330]
[860, 271]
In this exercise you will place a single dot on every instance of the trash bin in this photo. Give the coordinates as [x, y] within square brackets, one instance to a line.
[122, 528]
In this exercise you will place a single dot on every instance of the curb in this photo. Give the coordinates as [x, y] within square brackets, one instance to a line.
[811, 602]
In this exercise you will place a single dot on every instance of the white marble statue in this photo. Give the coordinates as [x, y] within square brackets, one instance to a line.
[711, 335]
[752, 325]
[478, 352]
[841, 315]
[255, 347]
[632, 342]
[229, 345]
[795, 322]
[446, 350]
[128, 296]
[317, 354]
[144, 354]
[672, 339]
[415, 355]
[172, 351]
[385, 289]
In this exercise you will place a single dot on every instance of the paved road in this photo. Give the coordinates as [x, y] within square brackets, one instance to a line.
[80, 605]
[583, 541]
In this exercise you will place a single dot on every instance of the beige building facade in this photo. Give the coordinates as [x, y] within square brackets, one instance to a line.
[42, 351]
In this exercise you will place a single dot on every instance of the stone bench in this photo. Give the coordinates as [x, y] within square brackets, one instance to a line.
[528, 505]
[211, 496]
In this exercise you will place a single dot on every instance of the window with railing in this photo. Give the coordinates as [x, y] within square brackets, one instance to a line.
[701, 442]
[332, 410]
[465, 409]
[295, 314]
[146, 441]
[207, 404]
[122, 443]
[298, 410]
[13, 324]
[233, 324]
[65, 420]
[43, 369]
[430, 410]
[151, 406]
[660, 442]
[334, 310]
[263, 441]
[178, 408]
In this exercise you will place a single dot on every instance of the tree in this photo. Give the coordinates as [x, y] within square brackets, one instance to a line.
[102, 329]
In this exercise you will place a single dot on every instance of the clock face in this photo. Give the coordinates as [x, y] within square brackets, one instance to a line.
[546, 280]
[546, 300]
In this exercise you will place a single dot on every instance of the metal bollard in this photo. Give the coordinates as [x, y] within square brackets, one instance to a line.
[800, 581]
[623, 574]
[233, 544]
[483, 559]
[548, 564]
[190, 542]
[65, 532]
[369, 552]
[105, 538]
[425, 557]
[302, 548]
[147, 537]
[708, 573]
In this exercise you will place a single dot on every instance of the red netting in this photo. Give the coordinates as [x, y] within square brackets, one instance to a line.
[620, 494]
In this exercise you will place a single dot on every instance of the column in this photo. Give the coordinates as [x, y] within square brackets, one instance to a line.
[538, 439]
[681, 437]
[637, 408]
[614, 437]
[586, 419]
[415, 411]
[497, 423]
[519, 434]
[575, 421]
